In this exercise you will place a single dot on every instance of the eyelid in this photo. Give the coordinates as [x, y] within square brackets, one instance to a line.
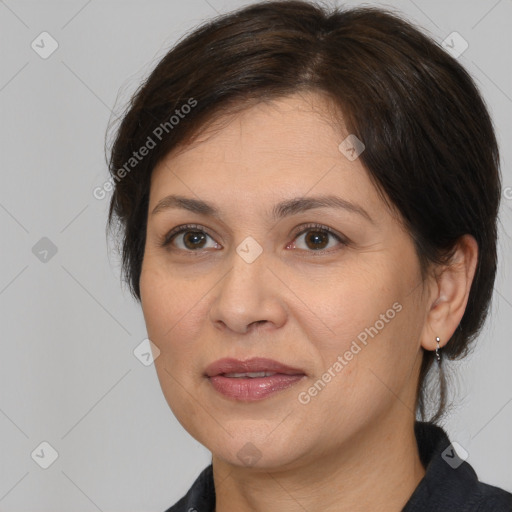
[184, 227]
[309, 227]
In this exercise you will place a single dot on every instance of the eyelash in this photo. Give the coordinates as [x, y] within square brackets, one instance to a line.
[168, 238]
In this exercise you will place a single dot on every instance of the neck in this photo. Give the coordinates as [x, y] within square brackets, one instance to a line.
[377, 469]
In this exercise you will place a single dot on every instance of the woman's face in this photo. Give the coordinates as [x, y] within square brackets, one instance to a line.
[347, 313]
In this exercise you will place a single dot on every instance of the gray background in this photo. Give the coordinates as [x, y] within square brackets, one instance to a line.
[68, 372]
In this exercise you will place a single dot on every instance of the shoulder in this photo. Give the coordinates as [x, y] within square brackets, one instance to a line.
[201, 495]
[450, 483]
[489, 498]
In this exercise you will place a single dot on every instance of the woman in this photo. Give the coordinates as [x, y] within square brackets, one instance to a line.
[308, 205]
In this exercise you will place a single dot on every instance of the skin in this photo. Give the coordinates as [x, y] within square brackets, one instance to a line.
[352, 446]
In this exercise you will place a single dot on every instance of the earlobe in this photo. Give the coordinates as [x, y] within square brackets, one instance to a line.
[450, 294]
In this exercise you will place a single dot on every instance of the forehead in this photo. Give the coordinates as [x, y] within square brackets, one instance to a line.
[287, 135]
[285, 148]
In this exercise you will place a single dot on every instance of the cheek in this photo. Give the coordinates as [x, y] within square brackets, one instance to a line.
[166, 302]
[372, 345]
[170, 309]
[349, 304]
[174, 312]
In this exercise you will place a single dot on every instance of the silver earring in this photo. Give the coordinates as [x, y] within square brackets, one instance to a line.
[438, 355]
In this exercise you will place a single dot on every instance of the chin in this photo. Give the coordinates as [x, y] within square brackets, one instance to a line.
[251, 450]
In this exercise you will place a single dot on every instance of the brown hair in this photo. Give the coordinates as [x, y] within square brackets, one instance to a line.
[430, 150]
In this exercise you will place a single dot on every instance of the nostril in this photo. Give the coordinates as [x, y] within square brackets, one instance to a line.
[256, 322]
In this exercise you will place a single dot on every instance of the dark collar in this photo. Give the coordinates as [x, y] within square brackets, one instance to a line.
[449, 485]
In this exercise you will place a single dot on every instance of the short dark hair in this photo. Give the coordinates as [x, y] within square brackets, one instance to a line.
[430, 149]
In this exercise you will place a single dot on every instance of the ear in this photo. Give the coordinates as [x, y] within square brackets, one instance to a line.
[449, 293]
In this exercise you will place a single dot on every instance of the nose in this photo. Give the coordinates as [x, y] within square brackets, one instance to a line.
[248, 297]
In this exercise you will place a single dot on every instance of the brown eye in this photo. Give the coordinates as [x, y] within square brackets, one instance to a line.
[194, 239]
[316, 238]
[187, 238]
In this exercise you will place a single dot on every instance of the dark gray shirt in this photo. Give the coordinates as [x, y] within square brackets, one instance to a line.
[449, 485]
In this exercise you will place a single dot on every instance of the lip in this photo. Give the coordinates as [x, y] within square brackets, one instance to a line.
[255, 364]
[249, 389]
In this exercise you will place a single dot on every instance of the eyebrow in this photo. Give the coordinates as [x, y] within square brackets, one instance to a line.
[279, 211]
